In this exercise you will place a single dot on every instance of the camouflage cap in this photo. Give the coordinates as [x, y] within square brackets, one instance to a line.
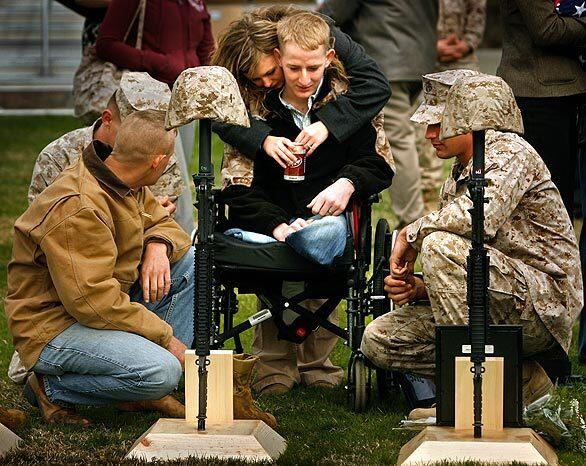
[206, 92]
[139, 91]
[480, 102]
[435, 91]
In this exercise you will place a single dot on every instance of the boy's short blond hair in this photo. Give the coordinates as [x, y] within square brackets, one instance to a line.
[143, 135]
[306, 30]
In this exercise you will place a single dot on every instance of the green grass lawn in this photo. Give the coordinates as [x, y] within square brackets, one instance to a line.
[317, 423]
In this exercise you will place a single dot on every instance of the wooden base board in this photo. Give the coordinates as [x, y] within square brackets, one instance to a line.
[171, 439]
[8, 440]
[436, 444]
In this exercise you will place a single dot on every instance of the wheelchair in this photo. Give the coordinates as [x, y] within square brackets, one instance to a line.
[261, 269]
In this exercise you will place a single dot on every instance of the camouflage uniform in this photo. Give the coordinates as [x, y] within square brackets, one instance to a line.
[465, 19]
[137, 92]
[535, 277]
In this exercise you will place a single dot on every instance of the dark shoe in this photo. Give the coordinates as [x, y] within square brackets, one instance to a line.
[51, 412]
[14, 419]
[244, 405]
[168, 405]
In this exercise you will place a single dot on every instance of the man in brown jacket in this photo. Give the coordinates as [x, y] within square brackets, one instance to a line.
[100, 286]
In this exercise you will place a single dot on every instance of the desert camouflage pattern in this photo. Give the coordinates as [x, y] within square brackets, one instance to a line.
[404, 339]
[56, 157]
[435, 90]
[61, 153]
[238, 169]
[466, 19]
[480, 102]
[206, 92]
[525, 221]
[88, 97]
[138, 91]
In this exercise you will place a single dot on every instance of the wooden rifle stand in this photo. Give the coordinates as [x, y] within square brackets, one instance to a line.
[8, 440]
[497, 445]
[224, 437]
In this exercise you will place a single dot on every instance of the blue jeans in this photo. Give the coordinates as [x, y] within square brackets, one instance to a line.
[94, 367]
[321, 241]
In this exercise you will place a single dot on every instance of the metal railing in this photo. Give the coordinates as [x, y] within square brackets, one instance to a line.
[45, 40]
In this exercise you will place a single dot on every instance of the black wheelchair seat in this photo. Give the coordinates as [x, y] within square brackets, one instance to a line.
[277, 259]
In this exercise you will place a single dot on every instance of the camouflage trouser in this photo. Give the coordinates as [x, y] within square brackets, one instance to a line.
[404, 339]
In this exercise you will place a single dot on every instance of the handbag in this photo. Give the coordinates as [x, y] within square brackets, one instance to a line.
[96, 80]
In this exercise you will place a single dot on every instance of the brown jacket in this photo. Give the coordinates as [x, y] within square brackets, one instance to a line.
[76, 253]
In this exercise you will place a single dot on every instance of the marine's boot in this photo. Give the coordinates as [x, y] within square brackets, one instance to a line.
[536, 383]
[168, 405]
[14, 419]
[244, 406]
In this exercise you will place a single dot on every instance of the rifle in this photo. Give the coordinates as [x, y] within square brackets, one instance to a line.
[202, 297]
[478, 277]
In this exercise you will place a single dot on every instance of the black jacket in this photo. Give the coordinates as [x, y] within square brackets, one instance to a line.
[367, 94]
[271, 200]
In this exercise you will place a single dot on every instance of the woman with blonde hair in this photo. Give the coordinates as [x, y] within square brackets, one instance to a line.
[246, 48]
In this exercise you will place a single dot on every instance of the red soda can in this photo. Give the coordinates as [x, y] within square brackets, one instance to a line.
[296, 172]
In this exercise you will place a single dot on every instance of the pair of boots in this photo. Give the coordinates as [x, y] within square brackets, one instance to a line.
[536, 384]
[244, 405]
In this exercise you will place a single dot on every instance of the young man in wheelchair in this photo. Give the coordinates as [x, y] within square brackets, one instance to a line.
[308, 215]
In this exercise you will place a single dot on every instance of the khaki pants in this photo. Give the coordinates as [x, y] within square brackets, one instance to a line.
[431, 169]
[405, 191]
[404, 339]
[286, 363]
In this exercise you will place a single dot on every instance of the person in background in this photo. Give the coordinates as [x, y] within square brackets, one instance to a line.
[460, 28]
[539, 62]
[576, 9]
[177, 35]
[401, 36]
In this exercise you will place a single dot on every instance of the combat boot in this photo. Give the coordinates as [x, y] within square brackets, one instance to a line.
[244, 406]
[536, 383]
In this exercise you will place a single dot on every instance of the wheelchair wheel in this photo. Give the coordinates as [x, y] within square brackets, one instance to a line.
[358, 392]
[383, 244]
[382, 251]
